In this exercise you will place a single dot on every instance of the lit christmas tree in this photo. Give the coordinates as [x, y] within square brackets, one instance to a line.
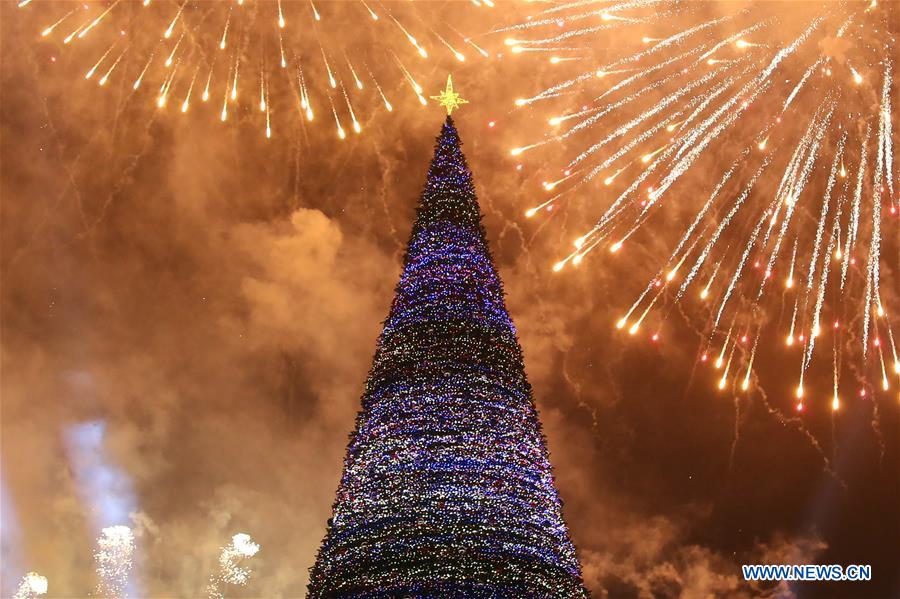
[447, 489]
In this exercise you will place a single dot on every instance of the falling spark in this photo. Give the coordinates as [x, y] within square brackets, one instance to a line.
[49, 29]
[340, 130]
[456, 53]
[746, 382]
[331, 81]
[356, 79]
[724, 379]
[223, 41]
[115, 63]
[171, 27]
[205, 95]
[356, 126]
[137, 82]
[262, 90]
[268, 114]
[95, 22]
[421, 51]
[187, 98]
[224, 114]
[387, 104]
[91, 71]
[371, 12]
[234, 83]
[171, 57]
[164, 89]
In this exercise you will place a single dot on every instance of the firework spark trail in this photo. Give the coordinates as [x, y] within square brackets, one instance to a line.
[647, 72]
[690, 139]
[819, 126]
[618, 206]
[703, 79]
[724, 380]
[800, 84]
[676, 39]
[823, 278]
[674, 149]
[699, 103]
[680, 262]
[739, 268]
[673, 40]
[624, 129]
[192, 33]
[623, 151]
[855, 208]
[556, 90]
[624, 320]
[750, 92]
[698, 219]
[612, 8]
[894, 350]
[853, 233]
[608, 12]
[746, 382]
[790, 337]
[826, 203]
[719, 361]
[789, 177]
[886, 151]
[697, 148]
[736, 37]
[540, 45]
[873, 270]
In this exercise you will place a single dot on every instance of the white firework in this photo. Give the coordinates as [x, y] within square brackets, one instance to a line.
[232, 564]
[32, 585]
[114, 558]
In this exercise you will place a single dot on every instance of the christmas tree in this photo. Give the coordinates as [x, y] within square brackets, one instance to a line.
[447, 490]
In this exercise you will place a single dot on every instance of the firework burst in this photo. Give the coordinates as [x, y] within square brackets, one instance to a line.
[785, 111]
[114, 559]
[32, 585]
[334, 61]
[233, 567]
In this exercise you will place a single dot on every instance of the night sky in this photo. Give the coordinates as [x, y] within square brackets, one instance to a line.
[212, 299]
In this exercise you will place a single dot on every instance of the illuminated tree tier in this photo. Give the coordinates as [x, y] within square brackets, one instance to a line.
[447, 490]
